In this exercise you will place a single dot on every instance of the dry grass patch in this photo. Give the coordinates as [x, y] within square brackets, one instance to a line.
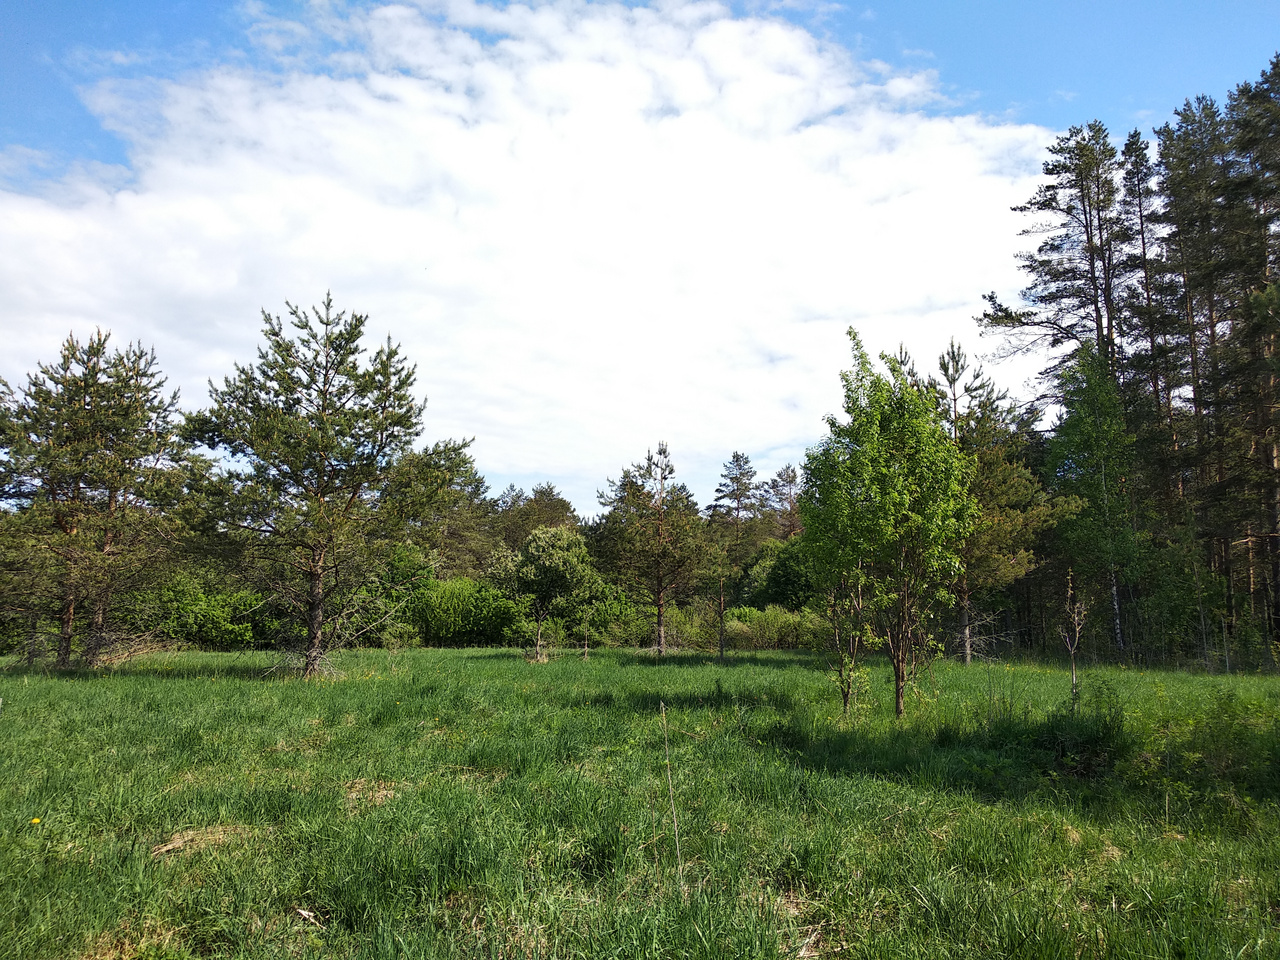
[200, 838]
[134, 939]
[364, 792]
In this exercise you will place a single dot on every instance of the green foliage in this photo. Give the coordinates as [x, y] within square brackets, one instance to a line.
[1013, 508]
[886, 507]
[737, 517]
[789, 581]
[1090, 458]
[551, 575]
[517, 514]
[185, 610]
[614, 620]
[773, 628]
[651, 539]
[461, 612]
[753, 584]
[441, 500]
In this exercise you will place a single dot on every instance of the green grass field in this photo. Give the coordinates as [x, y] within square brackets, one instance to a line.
[437, 803]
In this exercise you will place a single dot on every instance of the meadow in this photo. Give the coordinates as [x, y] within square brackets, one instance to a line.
[467, 803]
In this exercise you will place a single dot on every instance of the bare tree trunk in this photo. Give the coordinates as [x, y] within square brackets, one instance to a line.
[315, 620]
[1115, 611]
[97, 624]
[722, 619]
[899, 682]
[662, 624]
[63, 660]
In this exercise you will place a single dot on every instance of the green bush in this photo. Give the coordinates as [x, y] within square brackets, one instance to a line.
[773, 628]
[462, 612]
[615, 621]
[187, 610]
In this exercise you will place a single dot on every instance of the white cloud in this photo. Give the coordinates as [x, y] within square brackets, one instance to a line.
[594, 227]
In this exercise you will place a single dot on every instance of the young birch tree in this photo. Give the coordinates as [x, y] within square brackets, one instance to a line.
[886, 507]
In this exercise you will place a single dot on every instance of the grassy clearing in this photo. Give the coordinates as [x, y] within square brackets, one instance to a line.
[469, 804]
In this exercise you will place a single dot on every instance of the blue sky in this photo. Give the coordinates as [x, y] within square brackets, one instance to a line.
[594, 226]
[1127, 64]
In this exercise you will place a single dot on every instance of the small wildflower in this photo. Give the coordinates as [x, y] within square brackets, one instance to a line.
[35, 819]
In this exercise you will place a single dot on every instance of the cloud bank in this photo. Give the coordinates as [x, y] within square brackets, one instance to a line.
[592, 226]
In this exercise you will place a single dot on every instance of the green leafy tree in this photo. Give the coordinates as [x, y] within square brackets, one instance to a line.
[886, 508]
[89, 456]
[313, 434]
[552, 574]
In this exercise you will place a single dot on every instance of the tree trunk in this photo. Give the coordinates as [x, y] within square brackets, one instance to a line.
[64, 638]
[1115, 611]
[722, 619]
[899, 651]
[315, 620]
[899, 682]
[96, 641]
[662, 625]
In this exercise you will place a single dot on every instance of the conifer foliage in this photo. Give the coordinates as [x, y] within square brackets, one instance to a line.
[89, 458]
[313, 432]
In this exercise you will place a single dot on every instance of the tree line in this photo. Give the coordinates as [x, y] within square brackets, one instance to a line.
[1152, 297]
[298, 509]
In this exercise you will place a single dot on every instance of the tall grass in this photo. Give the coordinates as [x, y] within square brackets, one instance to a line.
[436, 803]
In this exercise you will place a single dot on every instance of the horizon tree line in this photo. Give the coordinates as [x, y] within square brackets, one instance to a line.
[1143, 524]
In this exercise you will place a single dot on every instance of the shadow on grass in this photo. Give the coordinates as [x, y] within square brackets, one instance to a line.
[780, 660]
[1010, 760]
[1221, 765]
[716, 698]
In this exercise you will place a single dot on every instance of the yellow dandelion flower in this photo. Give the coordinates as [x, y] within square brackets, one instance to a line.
[35, 819]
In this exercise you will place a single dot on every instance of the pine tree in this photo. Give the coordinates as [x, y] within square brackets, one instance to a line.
[1012, 507]
[1091, 458]
[314, 435]
[90, 455]
[1076, 272]
[651, 537]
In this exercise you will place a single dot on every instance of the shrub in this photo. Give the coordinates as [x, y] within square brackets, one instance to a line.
[188, 610]
[773, 628]
[615, 621]
[464, 613]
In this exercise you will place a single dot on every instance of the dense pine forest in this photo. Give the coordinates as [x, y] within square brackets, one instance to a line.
[1130, 514]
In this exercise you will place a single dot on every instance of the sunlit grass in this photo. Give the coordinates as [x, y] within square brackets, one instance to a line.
[468, 803]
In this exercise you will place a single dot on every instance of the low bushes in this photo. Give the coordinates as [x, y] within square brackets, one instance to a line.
[462, 612]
